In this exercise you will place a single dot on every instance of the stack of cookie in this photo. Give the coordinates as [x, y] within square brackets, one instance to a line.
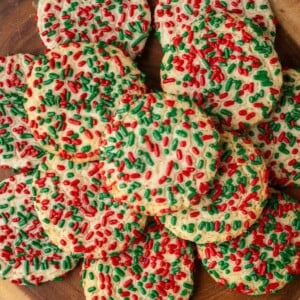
[134, 182]
[221, 54]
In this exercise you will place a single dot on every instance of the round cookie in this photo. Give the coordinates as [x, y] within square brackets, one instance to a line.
[259, 11]
[27, 256]
[77, 212]
[14, 70]
[278, 136]
[71, 93]
[157, 266]
[18, 149]
[172, 16]
[223, 62]
[161, 155]
[233, 204]
[126, 24]
[266, 257]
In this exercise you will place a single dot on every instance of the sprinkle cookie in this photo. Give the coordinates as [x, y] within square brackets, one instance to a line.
[233, 204]
[266, 257]
[71, 93]
[158, 266]
[161, 155]
[259, 11]
[77, 212]
[14, 70]
[18, 149]
[171, 16]
[224, 63]
[125, 24]
[278, 136]
[27, 256]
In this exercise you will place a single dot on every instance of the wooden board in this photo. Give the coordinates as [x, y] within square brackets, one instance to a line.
[18, 35]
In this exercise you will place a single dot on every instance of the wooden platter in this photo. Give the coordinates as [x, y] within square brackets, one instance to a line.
[18, 35]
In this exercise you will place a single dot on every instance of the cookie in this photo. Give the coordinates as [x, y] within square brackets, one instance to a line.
[259, 11]
[125, 24]
[18, 149]
[278, 136]
[266, 257]
[14, 70]
[157, 266]
[77, 212]
[160, 155]
[233, 204]
[27, 256]
[171, 16]
[225, 64]
[71, 93]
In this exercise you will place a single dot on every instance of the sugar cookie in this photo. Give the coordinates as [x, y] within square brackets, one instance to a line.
[224, 63]
[78, 214]
[125, 24]
[157, 266]
[160, 155]
[233, 204]
[278, 136]
[71, 93]
[266, 257]
[27, 256]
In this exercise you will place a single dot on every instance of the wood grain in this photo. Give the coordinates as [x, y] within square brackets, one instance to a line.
[18, 35]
